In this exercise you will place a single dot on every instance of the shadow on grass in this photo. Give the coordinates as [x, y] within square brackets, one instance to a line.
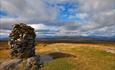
[54, 55]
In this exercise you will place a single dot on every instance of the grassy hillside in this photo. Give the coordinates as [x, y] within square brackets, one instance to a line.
[74, 56]
[87, 56]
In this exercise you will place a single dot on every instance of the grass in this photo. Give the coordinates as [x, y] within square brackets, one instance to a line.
[94, 59]
[60, 64]
[88, 56]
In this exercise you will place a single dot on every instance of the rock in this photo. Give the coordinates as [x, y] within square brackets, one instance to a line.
[10, 64]
[21, 38]
[22, 46]
[33, 63]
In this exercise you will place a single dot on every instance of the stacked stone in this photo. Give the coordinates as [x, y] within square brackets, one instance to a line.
[22, 41]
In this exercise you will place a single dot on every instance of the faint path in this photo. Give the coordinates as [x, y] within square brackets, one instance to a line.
[56, 50]
[110, 50]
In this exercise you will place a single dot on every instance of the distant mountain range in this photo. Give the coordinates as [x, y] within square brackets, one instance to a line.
[76, 38]
[70, 38]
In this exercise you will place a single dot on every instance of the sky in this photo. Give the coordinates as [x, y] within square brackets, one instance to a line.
[60, 17]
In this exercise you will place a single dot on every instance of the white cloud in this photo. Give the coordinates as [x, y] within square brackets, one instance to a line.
[42, 26]
[96, 5]
[99, 16]
[12, 20]
[4, 33]
[38, 26]
[6, 23]
[29, 9]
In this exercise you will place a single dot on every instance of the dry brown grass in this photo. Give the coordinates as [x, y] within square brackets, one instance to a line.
[50, 47]
[43, 47]
[88, 56]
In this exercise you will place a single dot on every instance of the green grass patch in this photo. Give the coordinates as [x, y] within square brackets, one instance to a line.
[94, 59]
[60, 64]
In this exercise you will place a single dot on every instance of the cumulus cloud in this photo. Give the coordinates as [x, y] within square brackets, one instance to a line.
[29, 9]
[6, 23]
[4, 33]
[61, 17]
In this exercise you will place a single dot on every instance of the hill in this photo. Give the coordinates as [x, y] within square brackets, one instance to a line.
[71, 56]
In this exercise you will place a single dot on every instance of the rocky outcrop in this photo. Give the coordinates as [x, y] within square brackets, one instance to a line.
[10, 64]
[33, 63]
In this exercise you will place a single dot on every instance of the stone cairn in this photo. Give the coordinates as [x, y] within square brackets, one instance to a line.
[22, 41]
[22, 44]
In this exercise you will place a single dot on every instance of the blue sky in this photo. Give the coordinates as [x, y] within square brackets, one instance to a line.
[60, 17]
[2, 13]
